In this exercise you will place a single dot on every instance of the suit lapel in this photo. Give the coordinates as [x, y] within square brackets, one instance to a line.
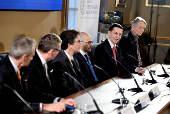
[13, 76]
[68, 64]
[133, 44]
[41, 69]
[108, 48]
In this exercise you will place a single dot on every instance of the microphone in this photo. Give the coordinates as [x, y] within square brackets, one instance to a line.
[153, 81]
[125, 100]
[138, 89]
[19, 96]
[163, 75]
[90, 112]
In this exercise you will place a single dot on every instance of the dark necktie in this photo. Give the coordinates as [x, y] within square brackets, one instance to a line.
[138, 54]
[75, 69]
[91, 68]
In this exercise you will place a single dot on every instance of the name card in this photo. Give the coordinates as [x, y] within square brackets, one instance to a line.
[144, 100]
[155, 91]
[127, 110]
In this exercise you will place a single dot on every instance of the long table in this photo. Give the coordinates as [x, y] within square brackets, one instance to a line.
[106, 91]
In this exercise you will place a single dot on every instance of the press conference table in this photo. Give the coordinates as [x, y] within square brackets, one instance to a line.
[106, 91]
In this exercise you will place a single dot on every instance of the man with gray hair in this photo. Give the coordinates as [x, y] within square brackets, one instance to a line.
[11, 81]
[42, 89]
[130, 45]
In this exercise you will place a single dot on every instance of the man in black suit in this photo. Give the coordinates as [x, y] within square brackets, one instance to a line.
[65, 62]
[130, 44]
[40, 77]
[87, 67]
[108, 53]
[21, 53]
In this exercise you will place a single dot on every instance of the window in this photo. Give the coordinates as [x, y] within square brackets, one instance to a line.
[72, 14]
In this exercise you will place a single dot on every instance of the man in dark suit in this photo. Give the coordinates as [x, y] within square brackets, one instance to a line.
[87, 67]
[21, 53]
[130, 44]
[40, 77]
[65, 62]
[108, 53]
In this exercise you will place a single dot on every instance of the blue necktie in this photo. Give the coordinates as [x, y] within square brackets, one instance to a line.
[91, 68]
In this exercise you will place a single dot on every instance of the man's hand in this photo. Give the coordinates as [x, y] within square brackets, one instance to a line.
[70, 102]
[141, 70]
[54, 107]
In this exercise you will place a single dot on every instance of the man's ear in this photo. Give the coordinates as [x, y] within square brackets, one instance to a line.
[108, 32]
[50, 52]
[24, 57]
[68, 44]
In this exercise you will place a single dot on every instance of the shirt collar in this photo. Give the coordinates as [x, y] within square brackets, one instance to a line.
[69, 57]
[13, 64]
[41, 58]
[135, 38]
[111, 44]
[82, 52]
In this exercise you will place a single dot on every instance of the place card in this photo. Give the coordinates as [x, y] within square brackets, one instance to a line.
[155, 91]
[127, 110]
[144, 100]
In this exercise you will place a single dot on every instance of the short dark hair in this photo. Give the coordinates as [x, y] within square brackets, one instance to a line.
[48, 42]
[115, 25]
[68, 36]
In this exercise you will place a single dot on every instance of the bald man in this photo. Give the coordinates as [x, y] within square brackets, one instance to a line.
[88, 69]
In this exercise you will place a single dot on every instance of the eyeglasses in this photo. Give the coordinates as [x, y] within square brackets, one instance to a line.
[57, 49]
[77, 41]
[89, 42]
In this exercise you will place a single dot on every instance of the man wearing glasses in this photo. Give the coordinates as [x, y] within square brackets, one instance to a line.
[86, 65]
[65, 62]
[40, 76]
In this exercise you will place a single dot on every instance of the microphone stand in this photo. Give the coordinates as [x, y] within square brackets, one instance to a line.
[90, 112]
[149, 31]
[117, 101]
[19, 96]
[153, 81]
[165, 73]
[138, 89]
[156, 31]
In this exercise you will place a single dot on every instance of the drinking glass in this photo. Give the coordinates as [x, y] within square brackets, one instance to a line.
[153, 70]
[82, 107]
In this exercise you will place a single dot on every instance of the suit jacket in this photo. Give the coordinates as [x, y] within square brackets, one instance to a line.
[128, 46]
[90, 80]
[40, 83]
[66, 85]
[103, 58]
[10, 103]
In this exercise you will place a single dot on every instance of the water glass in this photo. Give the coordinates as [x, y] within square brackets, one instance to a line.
[82, 107]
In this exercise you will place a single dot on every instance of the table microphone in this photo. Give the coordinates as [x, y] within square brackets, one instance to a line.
[153, 81]
[19, 96]
[90, 112]
[138, 89]
[125, 100]
[165, 73]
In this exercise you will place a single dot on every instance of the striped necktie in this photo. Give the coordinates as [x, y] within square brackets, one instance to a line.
[138, 54]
